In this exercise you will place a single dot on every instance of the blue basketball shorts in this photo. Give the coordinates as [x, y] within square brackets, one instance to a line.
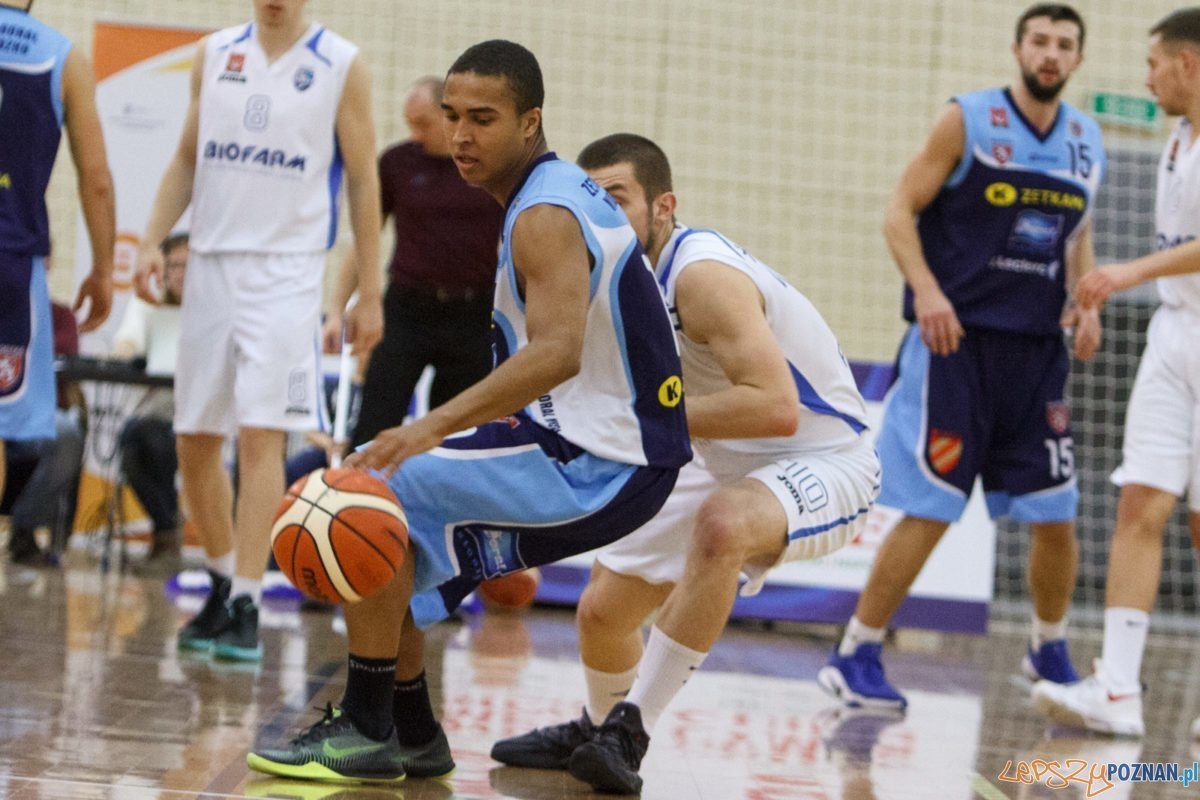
[26, 350]
[510, 495]
[993, 409]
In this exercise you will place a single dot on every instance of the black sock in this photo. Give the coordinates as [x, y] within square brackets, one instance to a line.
[412, 712]
[368, 695]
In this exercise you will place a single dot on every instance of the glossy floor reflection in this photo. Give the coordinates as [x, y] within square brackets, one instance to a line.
[95, 702]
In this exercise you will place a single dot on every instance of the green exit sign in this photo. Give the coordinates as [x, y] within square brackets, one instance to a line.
[1125, 109]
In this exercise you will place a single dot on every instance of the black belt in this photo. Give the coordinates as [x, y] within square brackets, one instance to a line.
[443, 294]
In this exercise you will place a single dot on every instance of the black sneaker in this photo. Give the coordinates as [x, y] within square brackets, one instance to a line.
[430, 760]
[200, 630]
[610, 761]
[239, 640]
[545, 748]
[333, 750]
[23, 548]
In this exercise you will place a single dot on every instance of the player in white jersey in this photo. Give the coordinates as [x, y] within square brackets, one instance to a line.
[1161, 455]
[784, 472]
[280, 110]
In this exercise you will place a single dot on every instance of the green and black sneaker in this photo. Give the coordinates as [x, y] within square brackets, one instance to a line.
[430, 760]
[334, 750]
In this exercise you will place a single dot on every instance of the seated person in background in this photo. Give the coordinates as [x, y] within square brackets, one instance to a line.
[147, 442]
[52, 465]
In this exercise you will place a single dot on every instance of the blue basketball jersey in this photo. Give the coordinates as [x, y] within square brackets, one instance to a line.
[997, 234]
[32, 56]
[626, 402]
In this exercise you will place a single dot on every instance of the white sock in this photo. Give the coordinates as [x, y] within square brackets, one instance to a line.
[856, 634]
[1043, 631]
[1125, 632]
[605, 690]
[222, 565]
[245, 586]
[664, 669]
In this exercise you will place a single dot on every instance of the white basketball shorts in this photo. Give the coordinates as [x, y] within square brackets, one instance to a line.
[826, 497]
[249, 343]
[1162, 423]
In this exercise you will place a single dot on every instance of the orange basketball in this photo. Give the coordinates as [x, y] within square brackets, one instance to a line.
[511, 592]
[339, 535]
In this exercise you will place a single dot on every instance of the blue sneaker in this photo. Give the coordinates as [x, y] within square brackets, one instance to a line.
[1049, 662]
[858, 681]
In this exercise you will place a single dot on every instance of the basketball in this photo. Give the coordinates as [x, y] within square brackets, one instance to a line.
[511, 592]
[339, 535]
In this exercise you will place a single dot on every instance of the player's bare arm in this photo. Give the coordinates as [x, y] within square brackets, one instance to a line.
[96, 194]
[919, 185]
[1094, 289]
[1081, 260]
[174, 191]
[356, 139]
[552, 263]
[722, 308]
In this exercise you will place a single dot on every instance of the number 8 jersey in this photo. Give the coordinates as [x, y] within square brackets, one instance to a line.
[268, 169]
[997, 234]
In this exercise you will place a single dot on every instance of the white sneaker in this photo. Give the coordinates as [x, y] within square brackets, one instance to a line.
[1090, 704]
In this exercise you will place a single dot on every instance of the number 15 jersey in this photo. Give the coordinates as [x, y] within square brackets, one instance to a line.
[997, 234]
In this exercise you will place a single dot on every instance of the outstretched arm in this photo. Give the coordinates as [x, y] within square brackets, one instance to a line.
[1094, 289]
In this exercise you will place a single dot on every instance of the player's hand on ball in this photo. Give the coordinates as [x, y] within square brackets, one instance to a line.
[392, 447]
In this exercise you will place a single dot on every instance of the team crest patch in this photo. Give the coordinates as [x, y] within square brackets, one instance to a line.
[1058, 416]
[303, 78]
[1076, 128]
[1002, 152]
[12, 368]
[945, 451]
[999, 117]
[236, 62]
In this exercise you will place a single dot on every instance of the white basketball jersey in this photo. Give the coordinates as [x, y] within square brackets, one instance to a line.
[1177, 213]
[832, 412]
[268, 169]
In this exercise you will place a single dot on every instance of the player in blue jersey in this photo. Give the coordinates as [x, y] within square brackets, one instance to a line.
[573, 441]
[990, 226]
[45, 83]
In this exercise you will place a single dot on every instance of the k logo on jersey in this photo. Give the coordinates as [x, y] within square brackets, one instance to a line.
[945, 451]
[303, 78]
[999, 117]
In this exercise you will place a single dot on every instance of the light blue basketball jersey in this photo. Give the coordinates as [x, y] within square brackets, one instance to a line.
[626, 402]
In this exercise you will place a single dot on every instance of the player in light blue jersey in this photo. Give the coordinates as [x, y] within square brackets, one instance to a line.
[990, 226]
[574, 440]
[785, 471]
[45, 84]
